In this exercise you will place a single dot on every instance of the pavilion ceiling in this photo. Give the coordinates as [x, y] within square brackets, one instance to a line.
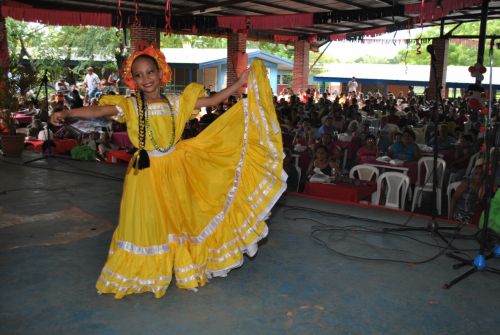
[283, 21]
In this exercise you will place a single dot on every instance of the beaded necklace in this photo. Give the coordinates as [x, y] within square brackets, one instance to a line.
[149, 129]
[142, 161]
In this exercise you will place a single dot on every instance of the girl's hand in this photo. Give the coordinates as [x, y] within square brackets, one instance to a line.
[243, 79]
[57, 118]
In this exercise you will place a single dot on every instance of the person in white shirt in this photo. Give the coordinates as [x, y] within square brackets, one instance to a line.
[91, 81]
[62, 89]
[352, 85]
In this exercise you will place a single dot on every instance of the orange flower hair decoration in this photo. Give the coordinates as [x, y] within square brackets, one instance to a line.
[160, 60]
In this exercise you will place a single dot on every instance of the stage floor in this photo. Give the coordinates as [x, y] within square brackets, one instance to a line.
[312, 275]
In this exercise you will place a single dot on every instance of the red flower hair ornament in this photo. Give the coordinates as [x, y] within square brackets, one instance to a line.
[160, 60]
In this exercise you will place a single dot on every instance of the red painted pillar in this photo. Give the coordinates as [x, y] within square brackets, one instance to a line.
[142, 37]
[236, 52]
[441, 62]
[300, 66]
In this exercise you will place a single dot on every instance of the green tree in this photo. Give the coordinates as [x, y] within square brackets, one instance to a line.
[52, 48]
[373, 59]
[280, 50]
[194, 41]
[458, 54]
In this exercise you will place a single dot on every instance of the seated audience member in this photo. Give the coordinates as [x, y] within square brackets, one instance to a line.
[104, 145]
[30, 109]
[467, 196]
[392, 117]
[208, 118]
[464, 149]
[45, 134]
[338, 122]
[364, 132]
[62, 90]
[386, 135]
[76, 101]
[444, 140]
[333, 149]
[292, 181]
[368, 152]
[323, 162]
[406, 149]
[35, 127]
[305, 137]
[221, 109]
[327, 127]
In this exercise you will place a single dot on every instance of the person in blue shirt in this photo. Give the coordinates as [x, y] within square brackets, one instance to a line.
[406, 149]
[445, 141]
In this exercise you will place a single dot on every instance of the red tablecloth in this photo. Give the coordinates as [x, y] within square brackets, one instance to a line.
[121, 139]
[62, 145]
[23, 119]
[341, 191]
[117, 155]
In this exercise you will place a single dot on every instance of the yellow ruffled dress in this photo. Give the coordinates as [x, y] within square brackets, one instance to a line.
[198, 208]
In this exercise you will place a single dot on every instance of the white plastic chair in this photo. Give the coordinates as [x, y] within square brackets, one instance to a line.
[449, 192]
[396, 187]
[425, 180]
[299, 174]
[472, 161]
[364, 172]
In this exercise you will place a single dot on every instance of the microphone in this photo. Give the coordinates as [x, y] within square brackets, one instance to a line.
[430, 50]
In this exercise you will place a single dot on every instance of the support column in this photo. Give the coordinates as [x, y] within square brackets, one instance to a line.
[236, 56]
[300, 66]
[441, 62]
[142, 37]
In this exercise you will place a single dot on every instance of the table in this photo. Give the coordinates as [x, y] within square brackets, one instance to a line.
[23, 119]
[62, 145]
[114, 156]
[409, 168]
[341, 191]
[120, 138]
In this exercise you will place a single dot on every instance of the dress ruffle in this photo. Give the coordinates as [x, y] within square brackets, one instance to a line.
[198, 209]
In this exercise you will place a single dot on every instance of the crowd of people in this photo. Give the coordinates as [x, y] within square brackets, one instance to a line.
[334, 132]
[315, 125]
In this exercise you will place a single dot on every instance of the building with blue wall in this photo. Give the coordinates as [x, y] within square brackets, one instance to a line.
[209, 67]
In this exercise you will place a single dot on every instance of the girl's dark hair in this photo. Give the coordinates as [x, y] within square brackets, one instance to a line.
[152, 59]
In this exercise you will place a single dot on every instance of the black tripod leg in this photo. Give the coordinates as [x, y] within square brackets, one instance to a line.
[443, 238]
[492, 270]
[459, 278]
[463, 261]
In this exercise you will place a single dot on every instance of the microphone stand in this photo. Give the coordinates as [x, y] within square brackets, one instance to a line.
[432, 226]
[48, 143]
[479, 263]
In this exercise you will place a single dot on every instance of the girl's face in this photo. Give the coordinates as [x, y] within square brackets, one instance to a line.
[147, 75]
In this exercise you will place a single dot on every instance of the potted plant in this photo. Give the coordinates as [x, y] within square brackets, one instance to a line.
[12, 143]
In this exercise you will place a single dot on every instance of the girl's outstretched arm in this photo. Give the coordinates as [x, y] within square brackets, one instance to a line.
[89, 112]
[224, 94]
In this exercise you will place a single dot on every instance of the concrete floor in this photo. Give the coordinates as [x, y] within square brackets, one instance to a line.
[56, 221]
